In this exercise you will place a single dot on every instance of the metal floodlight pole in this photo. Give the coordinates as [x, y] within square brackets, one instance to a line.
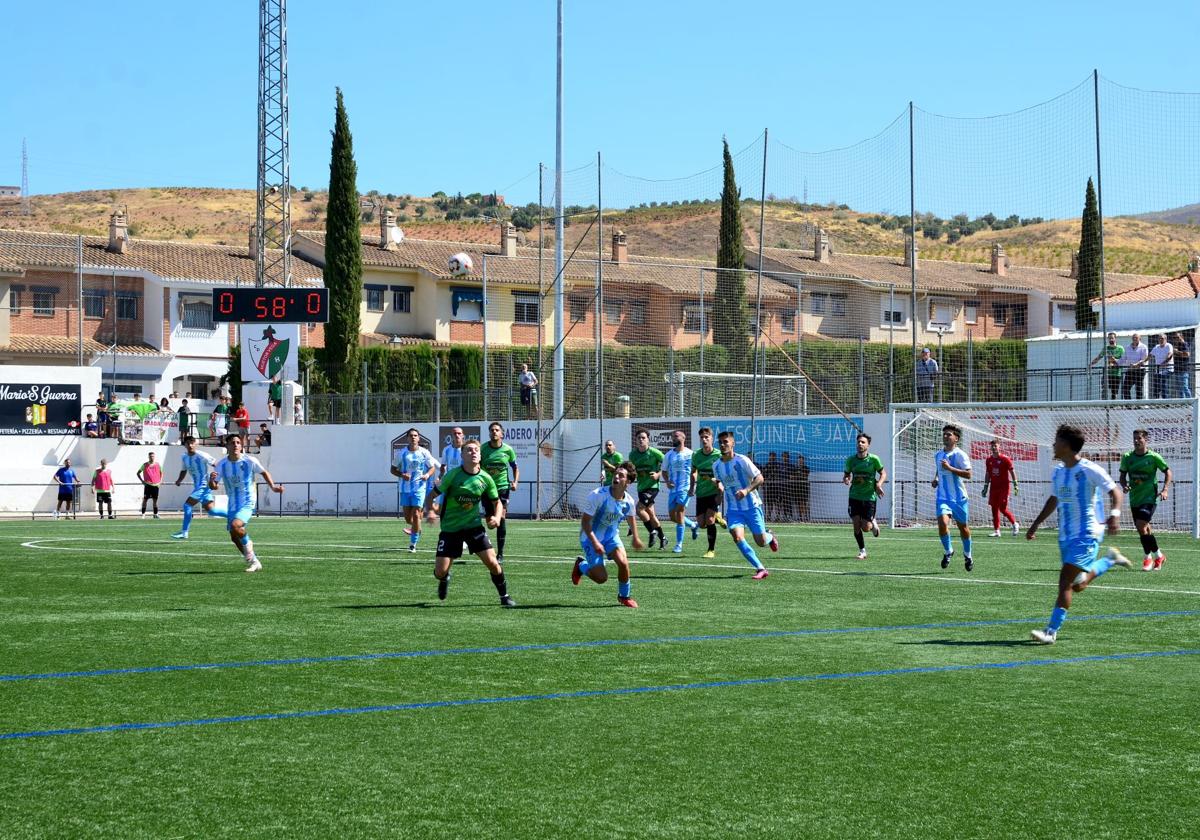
[483, 312]
[762, 212]
[912, 244]
[272, 223]
[79, 307]
[1100, 201]
[541, 361]
[558, 226]
[599, 294]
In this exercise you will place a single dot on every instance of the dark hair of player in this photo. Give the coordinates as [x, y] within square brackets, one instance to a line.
[495, 425]
[188, 439]
[630, 471]
[950, 427]
[863, 436]
[230, 437]
[1072, 436]
[1141, 433]
[641, 432]
[725, 434]
[704, 430]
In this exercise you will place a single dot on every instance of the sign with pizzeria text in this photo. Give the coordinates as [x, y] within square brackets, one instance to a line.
[40, 409]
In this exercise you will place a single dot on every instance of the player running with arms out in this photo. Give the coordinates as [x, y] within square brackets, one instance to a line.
[1139, 478]
[236, 471]
[610, 459]
[1081, 524]
[198, 465]
[999, 474]
[600, 533]
[413, 465]
[865, 476]
[648, 462]
[677, 473]
[740, 479]
[465, 489]
[953, 470]
[707, 489]
[497, 456]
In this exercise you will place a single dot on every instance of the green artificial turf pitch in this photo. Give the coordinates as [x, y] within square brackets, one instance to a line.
[833, 699]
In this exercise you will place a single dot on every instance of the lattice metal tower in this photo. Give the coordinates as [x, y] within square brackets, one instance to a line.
[26, 210]
[273, 223]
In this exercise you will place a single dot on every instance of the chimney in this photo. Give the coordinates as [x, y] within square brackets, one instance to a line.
[508, 240]
[999, 261]
[118, 233]
[1194, 263]
[620, 250]
[251, 242]
[389, 232]
[1074, 265]
[910, 251]
[822, 253]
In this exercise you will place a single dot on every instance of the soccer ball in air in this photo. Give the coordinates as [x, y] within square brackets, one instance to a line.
[461, 264]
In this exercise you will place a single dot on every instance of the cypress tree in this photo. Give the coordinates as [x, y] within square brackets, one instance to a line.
[1087, 283]
[343, 248]
[730, 316]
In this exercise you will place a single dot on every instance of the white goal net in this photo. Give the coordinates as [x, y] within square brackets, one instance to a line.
[1025, 434]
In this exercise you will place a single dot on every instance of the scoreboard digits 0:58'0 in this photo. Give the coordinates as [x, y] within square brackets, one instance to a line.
[279, 305]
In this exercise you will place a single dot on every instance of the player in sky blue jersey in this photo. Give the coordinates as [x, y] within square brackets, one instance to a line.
[1078, 485]
[677, 473]
[413, 465]
[951, 473]
[600, 533]
[198, 466]
[236, 472]
[740, 479]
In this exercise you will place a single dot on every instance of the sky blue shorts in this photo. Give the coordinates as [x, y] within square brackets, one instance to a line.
[243, 514]
[956, 511]
[202, 494]
[678, 498]
[589, 551]
[751, 520]
[1080, 552]
[415, 500]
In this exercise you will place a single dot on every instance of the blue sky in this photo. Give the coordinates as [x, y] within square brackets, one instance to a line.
[460, 96]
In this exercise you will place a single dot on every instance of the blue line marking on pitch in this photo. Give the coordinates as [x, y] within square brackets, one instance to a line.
[591, 693]
[719, 637]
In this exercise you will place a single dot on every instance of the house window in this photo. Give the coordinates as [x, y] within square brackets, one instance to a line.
[197, 313]
[579, 309]
[1064, 316]
[819, 303]
[526, 309]
[1000, 314]
[941, 313]
[637, 312]
[837, 304]
[893, 311]
[694, 318]
[43, 302]
[971, 311]
[787, 320]
[14, 304]
[831, 303]
[401, 299]
[374, 298]
[93, 304]
[127, 307]
[612, 311]
[1019, 314]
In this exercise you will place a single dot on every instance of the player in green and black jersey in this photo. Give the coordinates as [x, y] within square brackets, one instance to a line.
[609, 460]
[1139, 478]
[707, 489]
[465, 490]
[648, 462]
[864, 475]
[495, 460]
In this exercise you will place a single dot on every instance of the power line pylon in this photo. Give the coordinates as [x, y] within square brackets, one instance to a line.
[273, 223]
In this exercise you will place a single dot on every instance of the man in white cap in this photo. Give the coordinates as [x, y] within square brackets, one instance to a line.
[927, 373]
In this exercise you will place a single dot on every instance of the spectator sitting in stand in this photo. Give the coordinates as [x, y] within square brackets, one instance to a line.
[299, 412]
[264, 435]
[91, 428]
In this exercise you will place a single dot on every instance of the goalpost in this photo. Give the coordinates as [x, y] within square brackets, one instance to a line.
[1025, 433]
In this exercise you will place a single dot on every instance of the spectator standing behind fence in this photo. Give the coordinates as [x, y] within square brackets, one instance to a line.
[1183, 367]
[299, 413]
[102, 486]
[275, 399]
[150, 474]
[220, 418]
[1163, 374]
[66, 481]
[241, 417]
[185, 420]
[528, 381]
[1111, 354]
[803, 488]
[927, 374]
[1134, 362]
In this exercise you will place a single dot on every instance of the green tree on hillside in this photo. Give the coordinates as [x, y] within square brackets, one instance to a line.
[343, 245]
[1087, 283]
[730, 317]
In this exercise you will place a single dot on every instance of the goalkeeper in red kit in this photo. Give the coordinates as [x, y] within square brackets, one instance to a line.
[996, 483]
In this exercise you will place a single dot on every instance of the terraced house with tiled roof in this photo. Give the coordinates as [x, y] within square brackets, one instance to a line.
[145, 308]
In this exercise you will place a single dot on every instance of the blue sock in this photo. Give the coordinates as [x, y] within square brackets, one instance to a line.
[690, 523]
[584, 565]
[187, 518]
[678, 534]
[1103, 564]
[244, 540]
[623, 589]
[218, 511]
[1057, 617]
[946, 544]
[967, 546]
[748, 553]
[413, 537]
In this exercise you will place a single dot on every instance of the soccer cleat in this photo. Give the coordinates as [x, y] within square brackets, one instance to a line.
[708, 555]
[662, 541]
[1159, 560]
[56, 514]
[110, 516]
[182, 535]
[252, 564]
[1044, 637]
[1016, 528]
[1119, 559]
[946, 560]
[995, 533]
[774, 543]
[156, 516]
[500, 558]
[862, 554]
[968, 563]
[874, 528]
[576, 575]
[695, 532]
[1148, 563]
[412, 548]
[143, 516]
[627, 602]
[443, 588]
[507, 601]
[760, 574]
[678, 549]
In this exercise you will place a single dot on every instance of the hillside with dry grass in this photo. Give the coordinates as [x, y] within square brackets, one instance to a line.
[1137, 245]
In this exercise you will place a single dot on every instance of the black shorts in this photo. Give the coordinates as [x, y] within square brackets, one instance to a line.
[150, 491]
[66, 496]
[104, 496]
[450, 543]
[504, 495]
[646, 497]
[706, 503]
[862, 509]
[526, 395]
[1143, 513]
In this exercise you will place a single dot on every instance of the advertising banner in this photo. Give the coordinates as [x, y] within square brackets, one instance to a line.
[270, 352]
[825, 442]
[40, 409]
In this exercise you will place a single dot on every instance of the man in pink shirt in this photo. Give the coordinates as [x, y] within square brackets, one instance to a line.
[150, 474]
[102, 486]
